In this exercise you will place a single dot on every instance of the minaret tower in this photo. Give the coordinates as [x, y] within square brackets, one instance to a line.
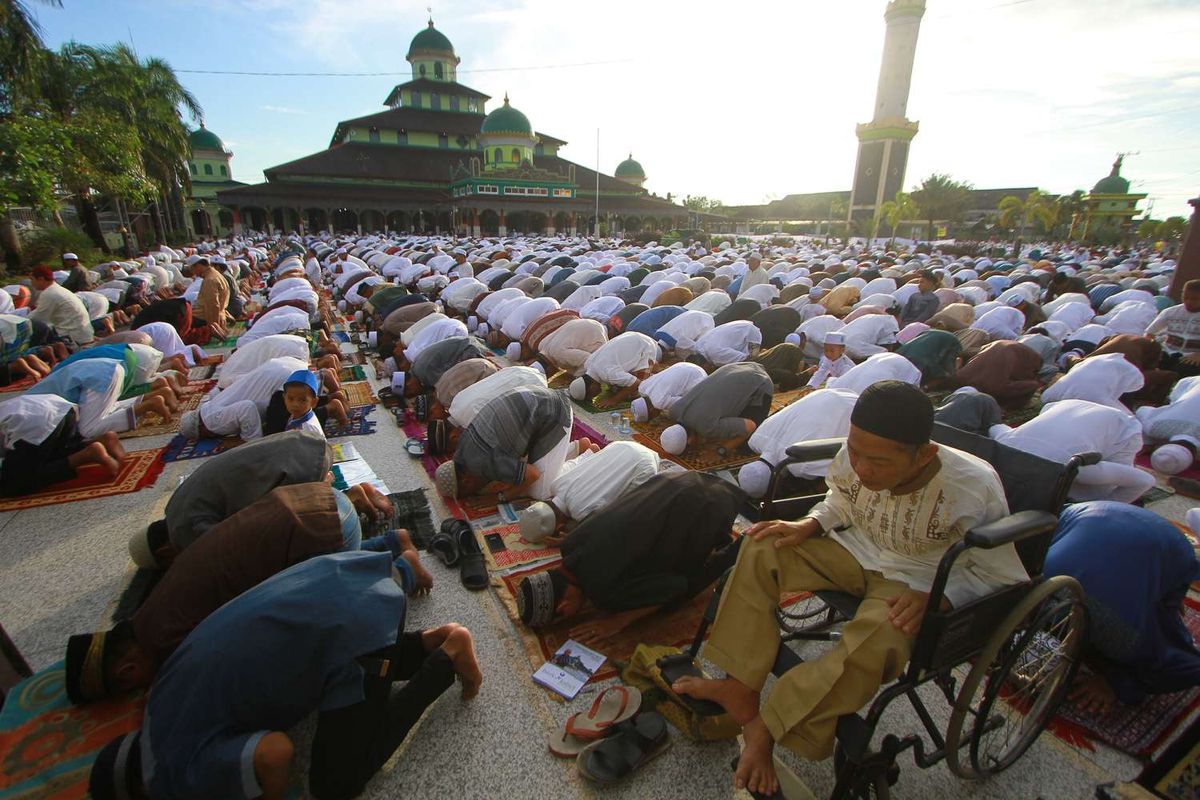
[883, 142]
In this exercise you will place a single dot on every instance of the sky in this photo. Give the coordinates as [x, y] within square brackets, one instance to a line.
[741, 102]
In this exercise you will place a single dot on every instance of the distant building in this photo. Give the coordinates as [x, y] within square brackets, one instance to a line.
[211, 171]
[434, 162]
[1111, 207]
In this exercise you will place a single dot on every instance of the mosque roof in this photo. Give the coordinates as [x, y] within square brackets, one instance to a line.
[204, 139]
[630, 169]
[507, 119]
[442, 87]
[452, 123]
[430, 39]
[1113, 183]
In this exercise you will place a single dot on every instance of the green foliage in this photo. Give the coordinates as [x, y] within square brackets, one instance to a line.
[1148, 229]
[31, 159]
[21, 51]
[899, 210]
[703, 204]
[48, 245]
[940, 197]
[1171, 228]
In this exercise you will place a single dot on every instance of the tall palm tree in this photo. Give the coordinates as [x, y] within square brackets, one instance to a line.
[897, 211]
[1019, 214]
[21, 49]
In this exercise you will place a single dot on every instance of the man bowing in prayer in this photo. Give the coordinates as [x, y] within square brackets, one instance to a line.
[896, 502]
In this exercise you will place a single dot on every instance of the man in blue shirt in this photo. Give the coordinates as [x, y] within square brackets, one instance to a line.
[324, 635]
[95, 385]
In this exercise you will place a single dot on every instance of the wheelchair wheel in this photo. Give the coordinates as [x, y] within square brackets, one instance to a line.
[1018, 680]
[807, 615]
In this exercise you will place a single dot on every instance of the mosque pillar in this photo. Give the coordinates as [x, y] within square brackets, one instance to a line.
[358, 220]
[1189, 258]
[573, 224]
[475, 222]
[237, 222]
[503, 227]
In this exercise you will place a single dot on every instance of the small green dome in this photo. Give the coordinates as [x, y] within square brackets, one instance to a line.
[204, 139]
[630, 169]
[430, 39]
[507, 119]
[1113, 183]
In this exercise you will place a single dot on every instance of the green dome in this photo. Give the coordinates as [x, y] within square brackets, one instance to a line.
[430, 39]
[630, 169]
[507, 119]
[1114, 183]
[204, 139]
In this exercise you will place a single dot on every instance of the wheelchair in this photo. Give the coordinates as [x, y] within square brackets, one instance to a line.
[1020, 646]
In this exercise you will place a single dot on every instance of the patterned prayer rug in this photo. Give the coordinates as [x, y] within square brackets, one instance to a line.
[700, 457]
[1137, 730]
[353, 372]
[341, 337]
[359, 425]
[358, 393]
[140, 469]
[182, 449]
[593, 407]
[504, 548]
[782, 400]
[202, 372]
[17, 386]
[193, 395]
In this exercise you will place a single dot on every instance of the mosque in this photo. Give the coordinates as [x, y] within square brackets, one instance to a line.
[433, 161]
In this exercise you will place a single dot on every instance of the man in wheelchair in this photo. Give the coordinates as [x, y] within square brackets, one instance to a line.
[896, 502]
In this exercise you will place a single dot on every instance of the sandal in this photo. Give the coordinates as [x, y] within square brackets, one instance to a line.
[631, 746]
[611, 707]
[415, 447]
[443, 544]
[472, 566]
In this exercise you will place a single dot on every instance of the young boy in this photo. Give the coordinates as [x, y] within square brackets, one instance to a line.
[300, 393]
[834, 361]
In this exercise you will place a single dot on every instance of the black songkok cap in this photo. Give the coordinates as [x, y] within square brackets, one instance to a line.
[894, 410]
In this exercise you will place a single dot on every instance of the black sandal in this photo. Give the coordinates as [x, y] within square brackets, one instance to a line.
[443, 544]
[472, 566]
[630, 746]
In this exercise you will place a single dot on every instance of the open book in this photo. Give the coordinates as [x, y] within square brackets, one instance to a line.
[569, 669]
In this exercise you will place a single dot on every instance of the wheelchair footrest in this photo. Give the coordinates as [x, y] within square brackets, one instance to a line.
[684, 666]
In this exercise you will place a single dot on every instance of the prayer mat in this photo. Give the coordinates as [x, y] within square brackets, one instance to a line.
[140, 469]
[354, 357]
[153, 425]
[701, 457]
[48, 745]
[410, 511]
[358, 393]
[782, 400]
[504, 548]
[18, 386]
[231, 337]
[590, 405]
[340, 336]
[354, 372]
[202, 372]
[1136, 730]
[359, 425]
[183, 449]
[1175, 773]
[560, 380]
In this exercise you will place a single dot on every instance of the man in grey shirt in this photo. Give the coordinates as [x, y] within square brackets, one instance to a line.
[726, 406]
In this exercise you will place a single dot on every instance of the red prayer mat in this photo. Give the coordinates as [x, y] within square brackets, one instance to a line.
[139, 470]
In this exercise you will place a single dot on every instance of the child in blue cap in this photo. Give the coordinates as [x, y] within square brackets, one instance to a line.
[300, 393]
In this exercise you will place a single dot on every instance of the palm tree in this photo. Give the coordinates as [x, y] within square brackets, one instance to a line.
[21, 50]
[837, 211]
[901, 209]
[1019, 214]
[1073, 208]
[941, 197]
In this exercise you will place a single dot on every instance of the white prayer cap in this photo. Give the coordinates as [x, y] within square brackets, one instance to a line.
[754, 478]
[578, 389]
[1014, 299]
[835, 337]
[1171, 459]
[342, 251]
[483, 329]
[398, 382]
[536, 522]
[70, 257]
[538, 366]
[793, 338]
[389, 365]
[472, 323]
[140, 552]
[674, 439]
[189, 425]
[373, 339]
[640, 409]
[513, 351]
[341, 305]
[358, 316]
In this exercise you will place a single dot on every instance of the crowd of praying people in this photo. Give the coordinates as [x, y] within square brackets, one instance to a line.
[278, 598]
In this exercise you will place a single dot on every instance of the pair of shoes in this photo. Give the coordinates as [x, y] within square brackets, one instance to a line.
[455, 545]
[614, 705]
[629, 747]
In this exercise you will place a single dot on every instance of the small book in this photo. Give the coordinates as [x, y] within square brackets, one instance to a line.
[571, 666]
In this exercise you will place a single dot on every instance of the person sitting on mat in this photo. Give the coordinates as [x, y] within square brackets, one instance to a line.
[662, 544]
[300, 395]
[834, 362]
[326, 635]
[1135, 569]
[621, 363]
[896, 502]
[288, 525]
[724, 408]
[41, 445]
[519, 439]
[586, 484]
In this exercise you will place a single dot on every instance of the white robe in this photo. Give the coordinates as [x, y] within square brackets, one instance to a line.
[569, 346]
[882, 367]
[867, 335]
[253, 355]
[686, 329]
[663, 389]
[594, 480]
[729, 343]
[616, 361]
[466, 403]
[444, 328]
[822, 414]
[1100, 379]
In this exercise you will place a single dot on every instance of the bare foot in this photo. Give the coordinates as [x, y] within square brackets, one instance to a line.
[424, 576]
[112, 443]
[1092, 693]
[152, 403]
[756, 767]
[95, 453]
[461, 649]
[433, 638]
[730, 694]
[379, 500]
[338, 412]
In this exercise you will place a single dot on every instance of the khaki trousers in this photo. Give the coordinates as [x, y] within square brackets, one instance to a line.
[802, 709]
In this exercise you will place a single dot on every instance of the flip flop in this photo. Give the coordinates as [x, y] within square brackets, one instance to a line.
[443, 545]
[611, 707]
[415, 447]
[632, 745]
[472, 566]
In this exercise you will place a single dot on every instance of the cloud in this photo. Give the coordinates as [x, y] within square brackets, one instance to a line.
[283, 110]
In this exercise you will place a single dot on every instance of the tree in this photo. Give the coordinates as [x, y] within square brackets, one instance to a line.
[1148, 228]
[940, 197]
[1017, 214]
[21, 50]
[837, 211]
[1171, 229]
[899, 210]
[1072, 207]
[31, 159]
[703, 205]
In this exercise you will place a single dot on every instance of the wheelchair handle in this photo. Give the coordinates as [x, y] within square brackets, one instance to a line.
[815, 450]
[1085, 459]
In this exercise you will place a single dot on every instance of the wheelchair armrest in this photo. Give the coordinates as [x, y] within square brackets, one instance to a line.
[1012, 528]
[815, 450]
[1086, 459]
